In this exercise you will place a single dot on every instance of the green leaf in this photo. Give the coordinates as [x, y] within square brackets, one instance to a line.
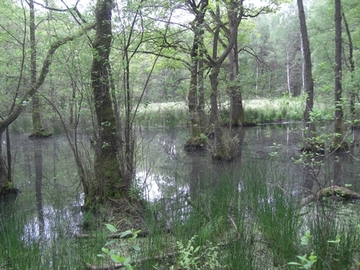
[136, 248]
[127, 264]
[105, 250]
[117, 258]
[110, 242]
[126, 233]
[305, 239]
[111, 228]
[127, 261]
[313, 257]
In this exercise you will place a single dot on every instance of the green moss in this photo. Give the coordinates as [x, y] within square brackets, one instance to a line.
[197, 143]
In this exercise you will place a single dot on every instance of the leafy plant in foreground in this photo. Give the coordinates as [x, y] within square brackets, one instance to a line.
[113, 253]
[308, 262]
[200, 257]
[305, 261]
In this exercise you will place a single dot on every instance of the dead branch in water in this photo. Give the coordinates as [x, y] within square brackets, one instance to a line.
[331, 191]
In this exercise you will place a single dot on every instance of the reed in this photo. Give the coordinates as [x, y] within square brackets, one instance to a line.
[24, 246]
[229, 218]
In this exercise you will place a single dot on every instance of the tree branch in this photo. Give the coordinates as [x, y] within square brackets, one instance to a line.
[44, 71]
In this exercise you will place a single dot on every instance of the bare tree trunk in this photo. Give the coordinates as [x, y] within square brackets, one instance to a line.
[201, 92]
[196, 78]
[310, 134]
[4, 183]
[38, 130]
[219, 151]
[353, 91]
[237, 116]
[288, 82]
[339, 143]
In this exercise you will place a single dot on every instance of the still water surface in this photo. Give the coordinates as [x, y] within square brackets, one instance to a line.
[45, 171]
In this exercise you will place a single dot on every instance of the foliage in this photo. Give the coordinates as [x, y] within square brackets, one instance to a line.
[114, 252]
[191, 258]
[306, 262]
[269, 46]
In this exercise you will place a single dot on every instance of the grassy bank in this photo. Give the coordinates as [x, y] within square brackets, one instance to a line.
[256, 111]
[172, 114]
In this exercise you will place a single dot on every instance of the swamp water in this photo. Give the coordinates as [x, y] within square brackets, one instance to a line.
[48, 211]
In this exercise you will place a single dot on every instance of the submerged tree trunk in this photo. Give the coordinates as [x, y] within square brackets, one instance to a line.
[310, 130]
[220, 151]
[108, 181]
[339, 144]
[234, 12]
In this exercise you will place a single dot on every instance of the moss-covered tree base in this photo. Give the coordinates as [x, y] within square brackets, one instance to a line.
[124, 213]
[8, 192]
[195, 144]
[222, 157]
[40, 133]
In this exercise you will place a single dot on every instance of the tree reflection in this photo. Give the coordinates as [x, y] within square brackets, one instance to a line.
[38, 162]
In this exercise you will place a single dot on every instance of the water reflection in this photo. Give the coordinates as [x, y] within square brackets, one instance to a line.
[277, 146]
[47, 176]
[38, 184]
[51, 193]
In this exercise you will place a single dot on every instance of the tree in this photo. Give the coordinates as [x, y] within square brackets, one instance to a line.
[196, 109]
[351, 67]
[339, 144]
[236, 107]
[38, 130]
[308, 81]
[108, 179]
[215, 61]
[235, 17]
[6, 184]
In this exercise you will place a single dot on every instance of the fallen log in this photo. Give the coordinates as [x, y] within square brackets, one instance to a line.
[120, 265]
[114, 235]
[342, 192]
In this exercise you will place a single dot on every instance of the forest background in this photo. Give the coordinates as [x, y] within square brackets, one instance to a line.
[106, 69]
[202, 63]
